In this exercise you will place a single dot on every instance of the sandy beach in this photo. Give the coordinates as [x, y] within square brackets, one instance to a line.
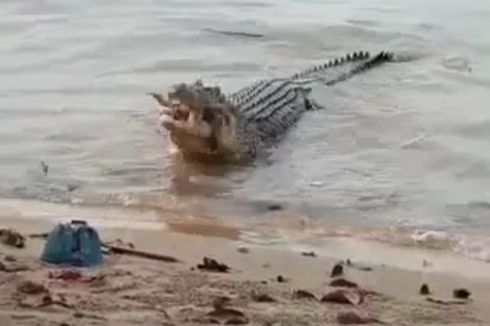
[263, 286]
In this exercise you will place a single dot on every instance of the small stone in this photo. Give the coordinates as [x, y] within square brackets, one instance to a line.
[337, 270]
[281, 279]
[424, 289]
[461, 293]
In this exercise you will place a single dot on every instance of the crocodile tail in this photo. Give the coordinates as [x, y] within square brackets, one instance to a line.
[377, 60]
[340, 69]
[331, 64]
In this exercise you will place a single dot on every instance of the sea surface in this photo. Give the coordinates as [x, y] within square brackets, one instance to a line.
[399, 151]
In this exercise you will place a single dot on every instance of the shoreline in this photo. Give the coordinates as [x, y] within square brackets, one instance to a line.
[395, 273]
[290, 234]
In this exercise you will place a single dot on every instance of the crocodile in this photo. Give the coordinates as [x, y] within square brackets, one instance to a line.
[204, 122]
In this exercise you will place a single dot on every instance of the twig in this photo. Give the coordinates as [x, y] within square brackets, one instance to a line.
[142, 254]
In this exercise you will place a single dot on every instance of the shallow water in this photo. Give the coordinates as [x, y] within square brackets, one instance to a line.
[405, 144]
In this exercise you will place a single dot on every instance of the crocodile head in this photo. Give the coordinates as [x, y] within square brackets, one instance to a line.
[201, 122]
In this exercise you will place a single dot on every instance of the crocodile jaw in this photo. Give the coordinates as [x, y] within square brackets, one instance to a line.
[198, 130]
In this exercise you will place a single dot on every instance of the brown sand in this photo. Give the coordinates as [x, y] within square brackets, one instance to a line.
[136, 291]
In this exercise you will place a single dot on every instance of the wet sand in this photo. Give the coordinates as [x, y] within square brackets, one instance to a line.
[128, 290]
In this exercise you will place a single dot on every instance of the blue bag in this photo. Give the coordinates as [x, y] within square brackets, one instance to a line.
[74, 243]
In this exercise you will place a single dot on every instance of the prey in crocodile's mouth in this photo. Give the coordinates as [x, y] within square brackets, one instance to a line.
[194, 124]
[181, 118]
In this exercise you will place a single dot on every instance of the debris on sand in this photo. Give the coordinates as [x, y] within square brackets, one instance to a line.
[38, 236]
[262, 297]
[424, 289]
[352, 318]
[341, 282]
[337, 270]
[303, 294]
[281, 279]
[12, 238]
[212, 265]
[461, 293]
[142, 254]
[343, 297]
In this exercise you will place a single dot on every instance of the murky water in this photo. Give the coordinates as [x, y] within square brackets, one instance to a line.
[406, 143]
